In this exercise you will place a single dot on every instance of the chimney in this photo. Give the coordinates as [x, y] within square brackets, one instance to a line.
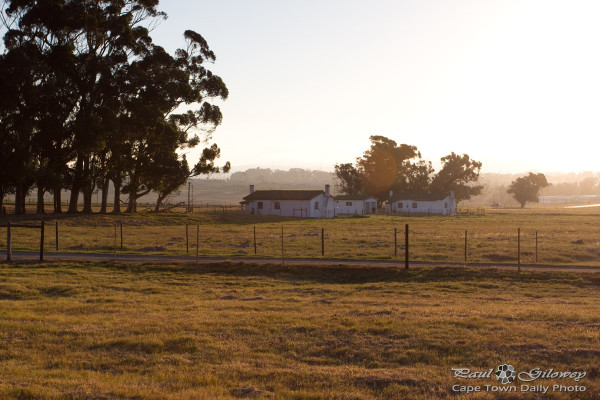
[391, 194]
[251, 189]
[326, 190]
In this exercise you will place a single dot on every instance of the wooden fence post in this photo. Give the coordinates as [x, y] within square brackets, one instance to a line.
[282, 254]
[197, 241]
[395, 242]
[536, 247]
[187, 240]
[56, 236]
[466, 236]
[406, 246]
[121, 236]
[115, 244]
[8, 244]
[42, 228]
[519, 249]
[322, 241]
[254, 239]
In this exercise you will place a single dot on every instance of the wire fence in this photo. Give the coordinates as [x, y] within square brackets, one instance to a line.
[299, 240]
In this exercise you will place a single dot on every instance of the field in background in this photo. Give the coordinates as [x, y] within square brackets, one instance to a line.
[565, 236]
[141, 331]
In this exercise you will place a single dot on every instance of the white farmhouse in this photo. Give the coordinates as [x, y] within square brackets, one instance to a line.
[289, 203]
[359, 204]
[422, 203]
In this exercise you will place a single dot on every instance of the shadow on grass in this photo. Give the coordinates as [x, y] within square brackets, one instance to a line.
[341, 274]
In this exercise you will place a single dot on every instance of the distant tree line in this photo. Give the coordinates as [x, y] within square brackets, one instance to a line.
[586, 186]
[89, 99]
[293, 176]
[387, 166]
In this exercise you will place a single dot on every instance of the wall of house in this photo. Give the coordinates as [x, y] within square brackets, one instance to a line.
[426, 207]
[357, 207]
[294, 208]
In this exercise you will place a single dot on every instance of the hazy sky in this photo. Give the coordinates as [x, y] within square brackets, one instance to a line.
[514, 84]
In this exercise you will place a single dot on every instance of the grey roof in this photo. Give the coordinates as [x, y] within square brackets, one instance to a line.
[353, 197]
[420, 196]
[283, 195]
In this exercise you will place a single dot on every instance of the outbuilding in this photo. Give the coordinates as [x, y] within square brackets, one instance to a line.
[422, 203]
[355, 204]
[289, 203]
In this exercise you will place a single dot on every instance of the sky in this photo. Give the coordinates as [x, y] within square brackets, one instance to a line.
[513, 84]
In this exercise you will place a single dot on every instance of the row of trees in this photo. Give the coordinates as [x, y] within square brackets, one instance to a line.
[293, 176]
[89, 99]
[388, 166]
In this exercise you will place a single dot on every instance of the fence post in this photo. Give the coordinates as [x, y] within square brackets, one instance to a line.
[282, 257]
[466, 236]
[197, 241]
[536, 247]
[254, 239]
[187, 240]
[519, 249]
[322, 241]
[395, 242]
[42, 241]
[406, 246]
[121, 223]
[115, 244]
[56, 236]
[8, 244]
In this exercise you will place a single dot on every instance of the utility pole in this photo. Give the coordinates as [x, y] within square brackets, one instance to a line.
[188, 203]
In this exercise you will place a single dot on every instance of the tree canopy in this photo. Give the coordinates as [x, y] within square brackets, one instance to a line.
[527, 188]
[387, 165]
[92, 100]
[458, 173]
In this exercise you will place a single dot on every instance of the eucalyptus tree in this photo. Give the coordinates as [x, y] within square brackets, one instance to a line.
[157, 131]
[96, 101]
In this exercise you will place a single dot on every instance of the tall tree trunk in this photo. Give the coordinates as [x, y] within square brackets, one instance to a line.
[131, 202]
[20, 194]
[40, 201]
[87, 200]
[57, 199]
[76, 186]
[88, 192]
[2, 200]
[105, 186]
[159, 203]
[117, 197]
[87, 188]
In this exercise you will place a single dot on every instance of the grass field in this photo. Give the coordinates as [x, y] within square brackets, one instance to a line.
[565, 236]
[141, 331]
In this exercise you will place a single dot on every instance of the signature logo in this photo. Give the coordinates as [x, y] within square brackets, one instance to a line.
[505, 373]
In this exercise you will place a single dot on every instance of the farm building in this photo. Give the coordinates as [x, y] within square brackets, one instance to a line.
[423, 203]
[360, 204]
[289, 203]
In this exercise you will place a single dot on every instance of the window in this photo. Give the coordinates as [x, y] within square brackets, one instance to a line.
[260, 205]
[400, 205]
[316, 205]
[277, 205]
[349, 204]
[446, 205]
[414, 205]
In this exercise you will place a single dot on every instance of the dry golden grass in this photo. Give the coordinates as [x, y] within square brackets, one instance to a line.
[565, 236]
[143, 331]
